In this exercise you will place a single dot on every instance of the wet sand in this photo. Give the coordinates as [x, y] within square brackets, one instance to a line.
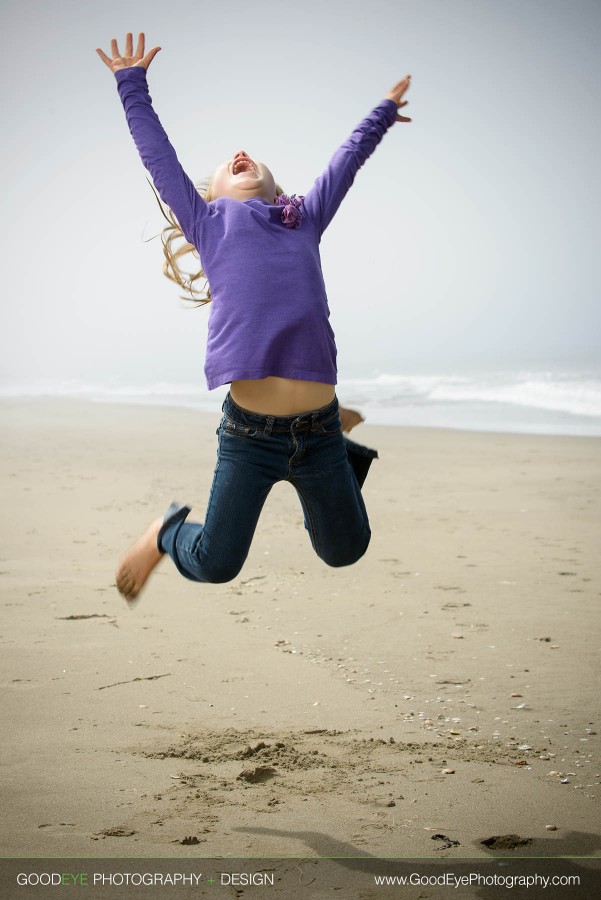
[447, 684]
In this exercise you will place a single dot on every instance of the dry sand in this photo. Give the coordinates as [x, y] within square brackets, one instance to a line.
[447, 684]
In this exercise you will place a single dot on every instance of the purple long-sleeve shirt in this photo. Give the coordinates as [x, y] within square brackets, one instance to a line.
[269, 314]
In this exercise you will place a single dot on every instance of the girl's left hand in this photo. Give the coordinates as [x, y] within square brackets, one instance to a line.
[395, 93]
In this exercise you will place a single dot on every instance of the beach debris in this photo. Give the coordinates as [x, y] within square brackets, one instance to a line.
[190, 839]
[547, 640]
[131, 680]
[457, 636]
[447, 841]
[516, 694]
[565, 781]
[521, 706]
[391, 803]
[506, 841]
[116, 832]
[553, 772]
[448, 771]
[250, 751]
[454, 605]
[76, 618]
[551, 827]
[258, 774]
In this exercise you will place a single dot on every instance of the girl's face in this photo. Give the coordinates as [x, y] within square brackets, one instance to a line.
[242, 178]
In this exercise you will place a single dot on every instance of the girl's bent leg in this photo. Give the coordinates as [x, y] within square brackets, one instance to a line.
[215, 550]
[330, 495]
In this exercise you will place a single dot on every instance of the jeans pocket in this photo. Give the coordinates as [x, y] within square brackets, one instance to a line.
[237, 429]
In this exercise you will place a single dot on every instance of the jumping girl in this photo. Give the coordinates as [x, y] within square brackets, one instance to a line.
[269, 337]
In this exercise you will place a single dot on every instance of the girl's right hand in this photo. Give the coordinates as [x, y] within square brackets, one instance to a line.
[129, 59]
[395, 93]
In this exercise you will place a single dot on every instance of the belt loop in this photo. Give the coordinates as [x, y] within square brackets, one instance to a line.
[314, 425]
[269, 425]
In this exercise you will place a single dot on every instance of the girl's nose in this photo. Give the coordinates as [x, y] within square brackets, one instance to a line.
[240, 153]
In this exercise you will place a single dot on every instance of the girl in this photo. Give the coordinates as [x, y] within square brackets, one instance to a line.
[269, 337]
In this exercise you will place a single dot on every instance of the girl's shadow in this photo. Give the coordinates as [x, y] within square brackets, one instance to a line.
[338, 865]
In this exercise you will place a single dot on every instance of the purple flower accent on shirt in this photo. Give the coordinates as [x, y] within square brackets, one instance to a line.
[291, 214]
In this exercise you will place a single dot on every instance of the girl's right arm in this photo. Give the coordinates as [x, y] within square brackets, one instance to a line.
[329, 190]
[158, 155]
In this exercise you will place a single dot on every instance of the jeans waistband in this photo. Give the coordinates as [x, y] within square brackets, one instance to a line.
[307, 421]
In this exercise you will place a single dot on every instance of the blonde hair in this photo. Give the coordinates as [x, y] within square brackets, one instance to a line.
[195, 283]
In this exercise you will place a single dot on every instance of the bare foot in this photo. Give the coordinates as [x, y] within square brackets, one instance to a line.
[139, 561]
[349, 418]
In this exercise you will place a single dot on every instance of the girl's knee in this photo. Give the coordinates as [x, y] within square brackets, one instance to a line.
[346, 555]
[220, 572]
[212, 565]
[197, 565]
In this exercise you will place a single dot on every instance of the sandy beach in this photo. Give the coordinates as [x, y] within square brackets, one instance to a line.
[446, 685]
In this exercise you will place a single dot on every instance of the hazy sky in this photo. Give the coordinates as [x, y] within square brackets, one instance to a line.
[471, 236]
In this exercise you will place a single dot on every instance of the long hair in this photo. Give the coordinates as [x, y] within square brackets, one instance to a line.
[175, 246]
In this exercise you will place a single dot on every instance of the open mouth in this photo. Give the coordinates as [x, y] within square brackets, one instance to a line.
[243, 164]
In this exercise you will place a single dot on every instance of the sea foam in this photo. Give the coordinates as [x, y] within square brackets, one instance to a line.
[547, 402]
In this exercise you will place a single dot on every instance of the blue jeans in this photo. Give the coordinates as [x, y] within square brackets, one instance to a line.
[255, 451]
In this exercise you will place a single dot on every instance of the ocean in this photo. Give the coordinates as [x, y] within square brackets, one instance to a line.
[524, 402]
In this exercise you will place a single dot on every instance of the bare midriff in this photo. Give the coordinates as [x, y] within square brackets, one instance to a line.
[274, 396]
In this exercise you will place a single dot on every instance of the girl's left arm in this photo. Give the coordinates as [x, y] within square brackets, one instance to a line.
[328, 192]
